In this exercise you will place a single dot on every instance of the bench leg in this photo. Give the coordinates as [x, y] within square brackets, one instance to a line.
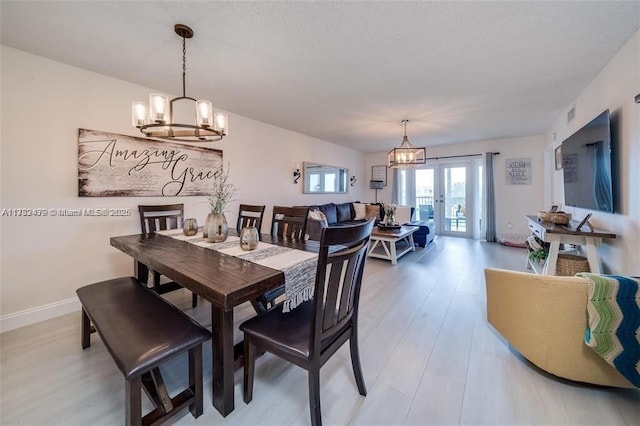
[86, 330]
[133, 401]
[154, 387]
[195, 380]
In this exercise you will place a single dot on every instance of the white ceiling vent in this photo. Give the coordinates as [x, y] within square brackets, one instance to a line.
[571, 114]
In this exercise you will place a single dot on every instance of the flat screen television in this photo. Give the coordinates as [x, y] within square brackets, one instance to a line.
[586, 164]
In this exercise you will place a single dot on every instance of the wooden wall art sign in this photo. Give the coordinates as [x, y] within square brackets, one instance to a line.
[112, 165]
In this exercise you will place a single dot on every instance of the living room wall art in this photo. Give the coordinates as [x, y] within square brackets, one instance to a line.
[518, 171]
[113, 165]
[379, 173]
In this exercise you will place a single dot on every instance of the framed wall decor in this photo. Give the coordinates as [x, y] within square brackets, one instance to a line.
[558, 153]
[379, 173]
[518, 171]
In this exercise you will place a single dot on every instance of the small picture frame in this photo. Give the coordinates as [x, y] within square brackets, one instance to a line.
[585, 221]
[558, 153]
[379, 173]
[553, 209]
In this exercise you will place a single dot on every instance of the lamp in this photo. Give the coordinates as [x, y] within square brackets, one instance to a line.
[296, 175]
[353, 180]
[156, 119]
[376, 184]
[406, 155]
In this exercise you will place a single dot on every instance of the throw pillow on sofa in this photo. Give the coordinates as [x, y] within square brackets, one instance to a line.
[360, 211]
[317, 215]
[403, 214]
[372, 210]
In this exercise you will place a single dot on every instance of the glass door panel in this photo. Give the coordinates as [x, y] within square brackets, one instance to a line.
[454, 200]
[425, 190]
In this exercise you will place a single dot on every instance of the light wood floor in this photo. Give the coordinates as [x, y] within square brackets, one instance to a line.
[428, 354]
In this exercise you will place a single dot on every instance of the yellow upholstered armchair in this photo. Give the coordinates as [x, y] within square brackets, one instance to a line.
[544, 317]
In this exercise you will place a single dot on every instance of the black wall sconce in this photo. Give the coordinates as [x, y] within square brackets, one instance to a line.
[296, 174]
[638, 98]
[353, 180]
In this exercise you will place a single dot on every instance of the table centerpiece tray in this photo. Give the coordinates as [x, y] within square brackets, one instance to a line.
[383, 227]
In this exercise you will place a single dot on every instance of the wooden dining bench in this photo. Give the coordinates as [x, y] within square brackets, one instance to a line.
[141, 331]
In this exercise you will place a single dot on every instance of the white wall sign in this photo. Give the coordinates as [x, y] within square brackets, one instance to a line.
[112, 165]
[518, 171]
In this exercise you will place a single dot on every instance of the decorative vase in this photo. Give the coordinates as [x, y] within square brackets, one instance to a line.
[390, 215]
[390, 219]
[249, 238]
[190, 227]
[215, 228]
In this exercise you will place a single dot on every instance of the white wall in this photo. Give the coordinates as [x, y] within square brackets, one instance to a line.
[45, 259]
[513, 202]
[614, 88]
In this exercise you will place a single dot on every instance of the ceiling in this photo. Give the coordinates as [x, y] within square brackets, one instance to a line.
[346, 72]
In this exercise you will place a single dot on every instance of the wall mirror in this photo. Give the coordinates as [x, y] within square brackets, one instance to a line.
[323, 179]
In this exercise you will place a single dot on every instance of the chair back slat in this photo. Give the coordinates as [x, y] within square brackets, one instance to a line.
[346, 296]
[338, 279]
[249, 215]
[161, 217]
[289, 222]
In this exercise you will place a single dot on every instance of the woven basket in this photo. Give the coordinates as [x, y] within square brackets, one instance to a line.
[571, 264]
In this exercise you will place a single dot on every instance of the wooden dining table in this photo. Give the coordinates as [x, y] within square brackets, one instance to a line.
[225, 281]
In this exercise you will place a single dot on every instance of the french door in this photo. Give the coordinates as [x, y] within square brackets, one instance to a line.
[444, 197]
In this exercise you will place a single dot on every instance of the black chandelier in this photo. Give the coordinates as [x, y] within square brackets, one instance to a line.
[156, 119]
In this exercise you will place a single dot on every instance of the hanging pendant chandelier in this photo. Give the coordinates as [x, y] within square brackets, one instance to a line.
[406, 155]
[155, 120]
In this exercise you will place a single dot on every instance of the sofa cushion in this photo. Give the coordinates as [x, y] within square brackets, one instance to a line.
[329, 211]
[344, 212]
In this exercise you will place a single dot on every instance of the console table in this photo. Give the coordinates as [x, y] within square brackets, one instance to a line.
[566, 234]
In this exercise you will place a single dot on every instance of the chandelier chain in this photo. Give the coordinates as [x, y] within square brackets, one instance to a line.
[157, 119]
[184, 66]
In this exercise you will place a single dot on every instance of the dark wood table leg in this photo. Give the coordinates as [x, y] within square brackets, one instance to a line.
[141, 271]
[222, 359]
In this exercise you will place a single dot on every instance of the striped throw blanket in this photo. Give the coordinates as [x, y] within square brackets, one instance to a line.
[613, 331]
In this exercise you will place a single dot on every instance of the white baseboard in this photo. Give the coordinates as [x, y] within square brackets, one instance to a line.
[39, 313]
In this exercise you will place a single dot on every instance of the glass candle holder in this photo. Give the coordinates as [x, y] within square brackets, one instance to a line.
[190, 227]
[249, 238]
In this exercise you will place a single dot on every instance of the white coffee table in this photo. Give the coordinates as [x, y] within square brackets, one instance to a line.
[392, 244]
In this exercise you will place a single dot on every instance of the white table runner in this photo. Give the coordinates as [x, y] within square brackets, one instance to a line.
[298, 266]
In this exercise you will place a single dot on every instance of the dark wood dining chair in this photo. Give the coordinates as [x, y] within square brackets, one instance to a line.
[286, 222]
[160, 218]
[310, 334]
[249, 215]
[289, 222]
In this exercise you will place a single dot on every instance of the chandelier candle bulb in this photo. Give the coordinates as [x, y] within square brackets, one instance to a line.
[204, 113]
[159, 104]
[221, 123]
[139, 113]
